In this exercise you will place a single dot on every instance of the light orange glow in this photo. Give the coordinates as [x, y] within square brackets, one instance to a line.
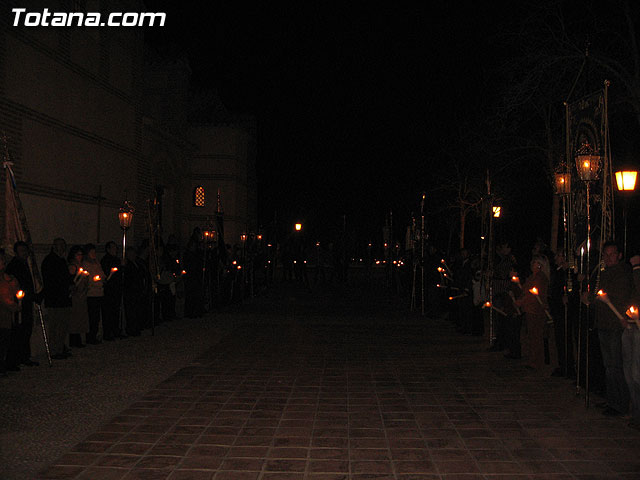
[515, 279]
[234, 263]
[96, 278]
[239, 267]
[496, 211]
[586, 164]
[84, 272]
[177, 261]
[20, 294]
[487, 304]
[184, 272]
[626, 180]
[440, 269]
[534, 290]
[80, 270]
[298, 227]
[442, 261]
[601, 293]
[114, 269]
[259, 237]
[633, 309]
[450, 298]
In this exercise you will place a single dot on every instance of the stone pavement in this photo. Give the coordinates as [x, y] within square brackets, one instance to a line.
[332, 386]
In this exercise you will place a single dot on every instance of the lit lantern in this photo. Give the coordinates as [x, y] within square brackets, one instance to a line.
[588, 163]
[626, 180]
[298, 227]
[563, 183]
[125, 216]
[496, 211]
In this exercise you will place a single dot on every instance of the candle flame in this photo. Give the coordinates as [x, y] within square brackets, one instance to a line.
[96, 278]
[601, 293]
[450, 298]
[184, 272]
[85, 273]
[534, 290]
[114, 269]
[633, 309]
[515, 279]
[487, 304]
[440, 269]
[442, 261]
[20, 294]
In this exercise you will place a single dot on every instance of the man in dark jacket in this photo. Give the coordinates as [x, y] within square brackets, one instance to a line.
[616, 282]
[20, 348]
[112, 268]
[57, 299]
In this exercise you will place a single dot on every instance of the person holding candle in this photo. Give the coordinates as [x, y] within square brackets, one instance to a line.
[533, 303]
[95, 294]
[631, 347]
[112, 267]
[8, 307]
[616, 282]
[79, 323]
[19, 267]
[57, 298]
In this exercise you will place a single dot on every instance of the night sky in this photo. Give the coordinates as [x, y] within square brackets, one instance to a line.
[356, 105]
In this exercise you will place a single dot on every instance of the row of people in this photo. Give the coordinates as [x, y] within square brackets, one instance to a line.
[552, 300]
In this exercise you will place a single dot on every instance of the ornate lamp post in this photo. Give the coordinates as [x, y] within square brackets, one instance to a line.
[626, 180]
[588, 167]
[562, 183]
[125, 216]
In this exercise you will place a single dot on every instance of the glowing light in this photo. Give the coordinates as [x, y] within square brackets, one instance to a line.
[601, 293]
[184, 272]
[450, 298]
[534, 290]
[298, 227]
[496, 211]
[97, 278]
[440, 269]
[20, 294]
[487, 304]
[626, 180]
[114, 269]
[515, 279]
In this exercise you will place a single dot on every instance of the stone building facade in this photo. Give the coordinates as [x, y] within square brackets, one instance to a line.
[93, 118]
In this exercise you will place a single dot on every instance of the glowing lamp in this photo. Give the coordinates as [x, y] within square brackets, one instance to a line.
[626, 180]
[243, 237]
[298, 227]
[588, 163]
[496, 211]
[125, 216]
[96, 278]
[562, 183]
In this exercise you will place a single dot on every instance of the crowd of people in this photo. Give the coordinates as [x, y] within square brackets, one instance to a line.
[86, 300]
[553, 314]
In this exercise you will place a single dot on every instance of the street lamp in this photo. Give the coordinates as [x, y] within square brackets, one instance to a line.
[588, 167]
[626, 180]
[497, 210]
[125, 216]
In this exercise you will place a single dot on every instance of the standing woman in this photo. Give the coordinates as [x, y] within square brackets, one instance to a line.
[95, 294]
[79, 314]
[534, 311]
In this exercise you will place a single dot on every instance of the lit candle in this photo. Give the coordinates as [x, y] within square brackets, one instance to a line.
[634, 315]
[581, 260]
[602, 296]
[20, 296]
[113, 270]
[96, 278]
[534, 291]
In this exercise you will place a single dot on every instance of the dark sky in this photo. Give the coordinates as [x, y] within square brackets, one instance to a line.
[354, 102]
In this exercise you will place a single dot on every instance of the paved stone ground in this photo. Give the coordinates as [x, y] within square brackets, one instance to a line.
[331, 386]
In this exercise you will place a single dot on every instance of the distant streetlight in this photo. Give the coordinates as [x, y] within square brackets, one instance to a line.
[626, 180]
[298, 227]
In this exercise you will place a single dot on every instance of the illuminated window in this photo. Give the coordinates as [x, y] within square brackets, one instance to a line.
[198, 196]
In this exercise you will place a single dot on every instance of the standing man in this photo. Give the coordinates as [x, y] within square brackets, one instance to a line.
[505, 265]
[112, 292]
[57, 297]
[616, 282]
[20, 348]
[631, 349]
